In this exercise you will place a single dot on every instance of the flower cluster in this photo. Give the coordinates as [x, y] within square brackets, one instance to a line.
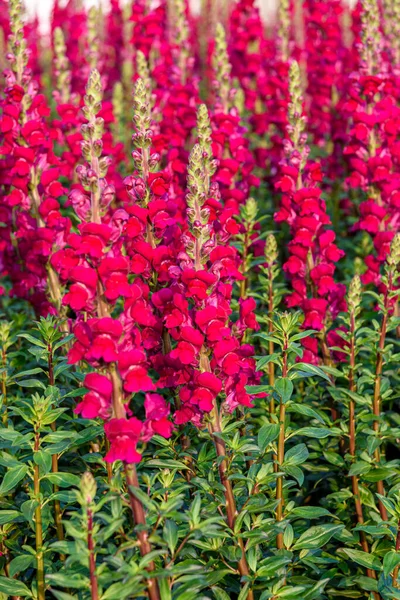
[324, 51]
[313, 252]
[372, 148]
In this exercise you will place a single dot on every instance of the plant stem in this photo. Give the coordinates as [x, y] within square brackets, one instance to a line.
[38, 527]
[352, 445]
[271, 365]
[220, 448]
[140, 519]
[397, 548]
[376, 405]
[92, 558]
[281, 448]
[132, 481]
[4, 387]
[54, 457]
[108, 465]
[230, 503]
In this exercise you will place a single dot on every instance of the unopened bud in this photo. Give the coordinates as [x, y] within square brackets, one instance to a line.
[88, 487]
[354, 295]
[271, 250]
[394, 255]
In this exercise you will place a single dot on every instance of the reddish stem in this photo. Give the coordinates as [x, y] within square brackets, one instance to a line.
[94, 588]
[140, 519]
[281, 450]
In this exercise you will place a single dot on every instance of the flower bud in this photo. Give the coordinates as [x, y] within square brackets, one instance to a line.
[354, 295]
[88, 487]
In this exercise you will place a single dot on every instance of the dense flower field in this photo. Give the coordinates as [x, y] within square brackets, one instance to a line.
[200, 326]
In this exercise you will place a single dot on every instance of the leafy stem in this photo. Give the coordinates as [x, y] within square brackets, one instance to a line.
[281, 443]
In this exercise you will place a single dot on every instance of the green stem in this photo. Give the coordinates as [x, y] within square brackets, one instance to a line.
[4, 388]
[38, 527]
[281, 450]
[140, 519]
[230, 503]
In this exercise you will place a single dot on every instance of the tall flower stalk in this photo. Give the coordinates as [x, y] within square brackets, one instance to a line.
[386, 303]
[201, 169]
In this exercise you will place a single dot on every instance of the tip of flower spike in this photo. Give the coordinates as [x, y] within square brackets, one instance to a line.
[94, 83]
[394, 254]
[204, 129]
[222, 66]
[94, 94]
[142, 67]
[59, 39]
[370, 35]
[139, 91]
[88, 487]
[220, 33]
[141, 106]
[178, 22]
[354, 295]
[294, 73]
[271, 249]
[202, 115]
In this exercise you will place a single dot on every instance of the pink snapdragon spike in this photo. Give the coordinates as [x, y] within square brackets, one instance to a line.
[324, 53]
[100, 267]
[313, 252]
[29, 172]
[196, 310]
[372, 149]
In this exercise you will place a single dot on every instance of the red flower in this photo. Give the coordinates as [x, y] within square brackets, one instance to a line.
[123, 435]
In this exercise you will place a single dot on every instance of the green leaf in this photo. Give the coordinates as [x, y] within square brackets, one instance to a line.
[267, 434]
[170, 534]
[63, 595]
[283, 389]
[8, 516]
[32, 383]
[143, 497]
[302, 335]
[318, 433]
[269, 338]
[294, 472]
[68, 581]
[63, 341]
[12, 587]
[28, 509]
[265, 360]
[307, 370]
[364, 559]
[359, 467]
[303, 409]
[379, 474]
[292, 592]
[32, 340]
[43, 459]
[63, 479]
[29, 372]
[166, 464]
[220, 594]
[12, 478]
[20, 564]
[309, 512]
[244, 592]
[317, 536]
[296, 455]
[390, 562]
[257, 389]
[367, 583]
[288, 536]
[388, 504]
[270, 566]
